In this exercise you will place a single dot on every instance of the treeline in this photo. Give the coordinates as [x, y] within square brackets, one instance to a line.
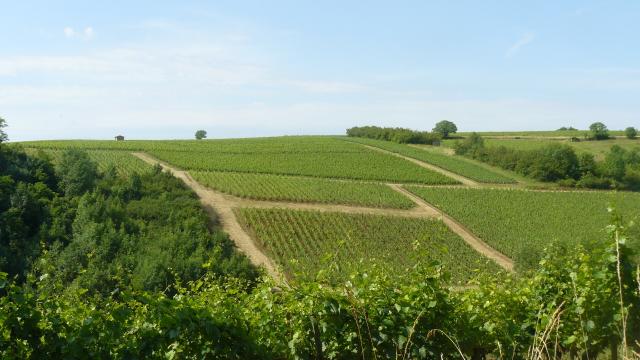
[576, 305]
[620, 168]
[399, 135]
[84, 230]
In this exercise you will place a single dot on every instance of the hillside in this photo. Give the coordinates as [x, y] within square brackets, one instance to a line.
[329, 212]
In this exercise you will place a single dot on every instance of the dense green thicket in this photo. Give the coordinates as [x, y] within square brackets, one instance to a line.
[29, 209]
[559, 163]
[399, 135]
[573, 304]
[92, 231]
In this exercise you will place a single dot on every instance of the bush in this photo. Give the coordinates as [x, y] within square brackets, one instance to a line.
[399, 135]
[599, 131]
[559, 163]
[550, 163]
[631, 132]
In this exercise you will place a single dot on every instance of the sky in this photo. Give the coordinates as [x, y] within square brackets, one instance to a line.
[164, 69]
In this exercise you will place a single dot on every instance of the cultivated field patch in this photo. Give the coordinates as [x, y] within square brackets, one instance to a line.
[306, 242]
[302, 189]
[448, 162]
[520, 223]
[368, 165]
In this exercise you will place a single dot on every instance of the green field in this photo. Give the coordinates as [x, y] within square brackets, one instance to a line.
[454, 164]
[301, 189]
[123, 161]
[306, 242]
[283, 144]
[541, 134]
[366, 165]
[519, 223]
[316, 156]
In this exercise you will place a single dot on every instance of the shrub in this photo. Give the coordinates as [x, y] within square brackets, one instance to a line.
[399, 135]
[599, 131]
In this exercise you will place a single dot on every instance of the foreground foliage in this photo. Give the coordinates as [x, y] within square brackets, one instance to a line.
[573, 303]
[90, 230]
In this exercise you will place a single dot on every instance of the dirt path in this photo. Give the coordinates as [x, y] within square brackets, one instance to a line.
[466, 235]
[222, 206]
[223, 209]
[460, 178]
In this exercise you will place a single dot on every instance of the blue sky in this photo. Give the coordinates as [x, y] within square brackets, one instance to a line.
[163, 69]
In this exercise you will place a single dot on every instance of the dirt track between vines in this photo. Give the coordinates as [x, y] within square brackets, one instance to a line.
[464, 180]
[221, 207]
[476, 243]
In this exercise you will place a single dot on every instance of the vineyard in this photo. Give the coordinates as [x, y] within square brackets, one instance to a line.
[314, 156]
[330, 170]
[366, 165]
[306, 243]
[288, 144]
[521, 223]
[122, 161]
[454, 164]
[301, 189]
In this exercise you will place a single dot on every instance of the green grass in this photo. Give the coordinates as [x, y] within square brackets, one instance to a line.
[301, 189]
[123, 161]
[452, 163]
[306, 242]
[519, 223]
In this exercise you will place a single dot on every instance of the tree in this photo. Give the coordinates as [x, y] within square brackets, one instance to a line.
[201, 134]
[599, 131]
[78, 173]
[631, 132]
[3, 135]
[445, 127]
[553, 162]
[587, 164]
